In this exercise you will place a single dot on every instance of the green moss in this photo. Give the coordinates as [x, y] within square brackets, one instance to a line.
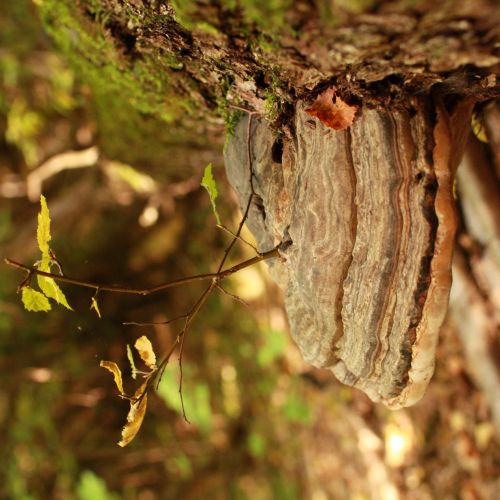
[274, 99]
[230, 115]
[136, 98]
[265, 43]
[268, 14]
[187, 14]
[144, 84]
[184, 12]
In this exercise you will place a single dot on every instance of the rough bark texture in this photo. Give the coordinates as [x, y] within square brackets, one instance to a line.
[208, 56]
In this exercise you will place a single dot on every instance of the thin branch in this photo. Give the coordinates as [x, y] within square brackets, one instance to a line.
[26, 281]
[154, 378]
[232, 295]
[181, 369]
[152, 323]
[192, 314]
[250, 198]
[271, 254]
[240, 238]
[144, 291]
[245, 110]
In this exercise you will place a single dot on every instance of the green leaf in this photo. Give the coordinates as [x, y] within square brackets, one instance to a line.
[51, 290]
[34, 300]
[94, 305]
[43, 229]
[208, 182]
[48, 286]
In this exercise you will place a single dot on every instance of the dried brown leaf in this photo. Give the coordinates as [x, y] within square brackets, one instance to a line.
[145, 350]
[332, 111]
[117, 374]
[135, 415]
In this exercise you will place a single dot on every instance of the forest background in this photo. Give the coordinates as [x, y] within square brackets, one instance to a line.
[263, 424]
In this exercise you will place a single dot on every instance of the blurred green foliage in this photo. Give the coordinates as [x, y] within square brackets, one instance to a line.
[196, 397]
[92, 487]
[261, 428]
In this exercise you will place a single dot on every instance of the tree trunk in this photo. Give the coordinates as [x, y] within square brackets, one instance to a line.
[364, 212]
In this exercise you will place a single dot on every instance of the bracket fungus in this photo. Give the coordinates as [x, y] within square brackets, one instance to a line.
[365, 214]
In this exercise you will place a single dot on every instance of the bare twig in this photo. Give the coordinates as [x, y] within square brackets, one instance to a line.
[240, 238]
[152, 323]
[219, 275]
[232, 295]
[26, 281]
[154, 377]
[250, 198]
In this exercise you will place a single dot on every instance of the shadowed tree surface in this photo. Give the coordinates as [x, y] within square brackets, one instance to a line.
[147, 91]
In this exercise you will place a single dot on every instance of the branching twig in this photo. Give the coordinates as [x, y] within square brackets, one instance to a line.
[250, 198]
[26, 281]
[154, 377]
[152, 323]
[240, 238]
[220, 274]
[232, 295]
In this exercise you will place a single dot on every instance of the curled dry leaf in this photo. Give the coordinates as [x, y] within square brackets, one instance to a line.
[135, 415]
[145, 350]
[332, 110]
[117, 374]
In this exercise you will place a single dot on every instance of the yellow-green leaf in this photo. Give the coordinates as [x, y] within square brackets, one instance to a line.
[130, 357]
[94, 305]
[43, 229]
[34, 300]
[117, 374]
[49, 286]
[51, 289]
[208, 182]
[135, 416]
[145, 350]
